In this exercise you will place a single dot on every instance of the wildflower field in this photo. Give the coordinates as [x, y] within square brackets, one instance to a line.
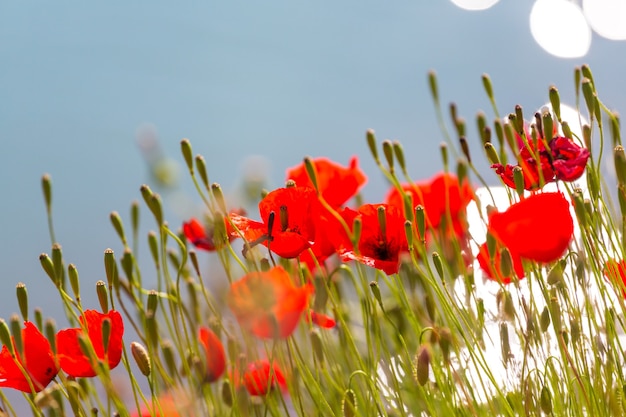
[446, 296]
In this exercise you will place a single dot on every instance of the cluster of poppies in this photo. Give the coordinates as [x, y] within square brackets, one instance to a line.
[29, 366]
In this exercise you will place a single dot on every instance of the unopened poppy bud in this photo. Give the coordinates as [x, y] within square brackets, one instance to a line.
[357, 227]
[194, 306]
[577, 77]
[465, 148]
[72, 274]
[110, 268]
[202, 172]
[50, 330]
[227, 393]
[518, 179]
[116, 221]
[491, 245]
[388, 152]
[317, 345]
[103, 296]
[5, 336]
[555, 313]
[492, 155]
[348, 404]
[185, 147]
[518, 121]
[586, 72]
[488, 86]
[481, 123]
[399, 154]
[438, 264]
[57, 261]
[480, 312]
[422, 366]
[459, 124]
[407, 199]
[506, 263]
[579, 208]
[615, 128]
[505, 343]
[544, 319]
[48, 267]
[545, 400]
[506, 308]
[619, 159]
[39, 318]
[555, 276]
[444, 155]
[140, 354]
[167, 349]
[548, 125]
[574, 325]
[567, 132]
[509, 135]
[309, 165]
[85, 344]
[22, 299]
[420, 220]
[555, 101]
[587, 136]
[371, 143]
[46, 186]
[128, 262]
[106, 333]
[152, 303]
[499, 129]
[431, 308]
[432, 83]
[453, 112]
[589, 95]
[219, 196]
[408, 231]
[174, 259]
[16, 332]
[153, 244]
[461, 170]
[152, 332]
[376, 292]
[445, 343]
[382, 220]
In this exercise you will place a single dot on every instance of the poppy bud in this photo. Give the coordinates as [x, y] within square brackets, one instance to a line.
[407, 199]
[39, 318]
[5, 336]
[57, 262]
[499, 129]
[544, 319]
[50, 330]
[152, 331]
[518, 120]
[555, 276]
[432, 83]
[453, 112]
[140, 354]
[420, 219]
[555, 101]
[202, 172]
[408, 231]
[518, 179]
[461, 170]
[399, 154]
[227, 393]
[481, 122]
[134, 217]
[153, 243]
[128, 262]
[310, 170]
[16, 333]
[577, 77]
[382, 220]
[371, 143]
[388, 152]
[376, 292]
[103, 295]
[22, 299]
[488, 87]
[506, 308]
[459, 124]
[545, 400]
[219, 197]
[506, 263]
[48, 267]
[492, 155]
[422, 367]
[587, 136]
[445, 343]
[567, 132]
[168, 357]
[46, 186]
[110, 268]
[317, 345]
[106, 333]
[589, 95]
[548, 126]
[505, 344]
[348, 404]
[357, 226]
[438, 264]
[185, 147]
[555, 313]
[116, 221]
[619, 159]
[615, 128]
[509, 134]
[574, 325]
[444, 155]
[72, 274]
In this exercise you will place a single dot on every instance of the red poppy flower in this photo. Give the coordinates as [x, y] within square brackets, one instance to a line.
[260, 378]
[37, 360]
[538, 228]
[615, 271]
[565, 161]
[72, 358]
[336, 184]
[168, 406]
[494, 271]
[198, 235]
[215, 354]
[378, 247]
[288, 226]
[321, 320]
[441, 196]
[268, 303]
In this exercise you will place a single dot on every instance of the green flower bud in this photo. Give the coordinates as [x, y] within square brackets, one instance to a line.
[140, 354]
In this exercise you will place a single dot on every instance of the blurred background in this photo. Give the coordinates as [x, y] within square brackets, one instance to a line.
[89, 92]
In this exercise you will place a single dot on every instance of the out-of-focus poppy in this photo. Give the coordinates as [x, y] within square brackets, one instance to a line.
[261, 377]
[206, 237]
[288, 221]
[321, 320]
[382, 239]
[538, 228]
[37, 360]
[72, 358]
[441, 196]
[336, 184]
[268, 303]
[215, 354]
[494, 271]
[615, 271]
